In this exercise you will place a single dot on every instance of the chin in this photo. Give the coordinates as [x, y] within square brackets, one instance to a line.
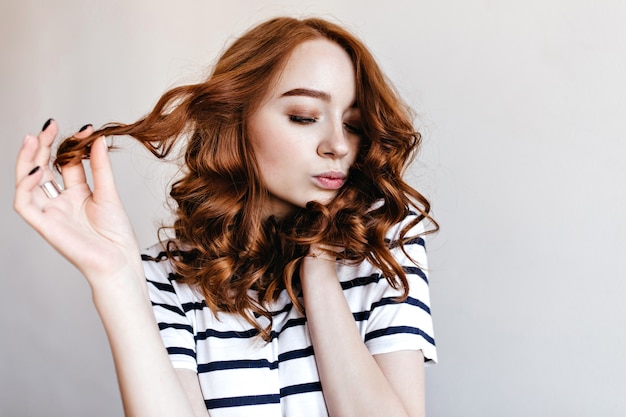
[324, 200]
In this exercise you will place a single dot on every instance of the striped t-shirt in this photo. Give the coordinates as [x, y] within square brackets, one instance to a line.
[242, 375]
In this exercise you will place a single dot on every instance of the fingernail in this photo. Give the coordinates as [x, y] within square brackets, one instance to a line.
[32, 171]
[45, 125]
[84, 127]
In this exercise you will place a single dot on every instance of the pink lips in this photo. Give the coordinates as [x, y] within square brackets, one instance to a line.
[331, 180]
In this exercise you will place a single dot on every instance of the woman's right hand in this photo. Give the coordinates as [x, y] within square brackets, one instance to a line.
[88, 227]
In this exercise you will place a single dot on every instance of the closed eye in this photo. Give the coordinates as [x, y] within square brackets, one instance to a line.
[302, 119]
[357, 130]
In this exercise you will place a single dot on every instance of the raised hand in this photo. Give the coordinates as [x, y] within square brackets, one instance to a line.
[88, 227]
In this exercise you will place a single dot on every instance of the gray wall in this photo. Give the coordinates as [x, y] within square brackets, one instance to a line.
[522, 106]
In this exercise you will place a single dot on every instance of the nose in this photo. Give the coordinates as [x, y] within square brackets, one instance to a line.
[335, 143]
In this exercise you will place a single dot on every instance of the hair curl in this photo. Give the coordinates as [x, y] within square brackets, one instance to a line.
[239, 260]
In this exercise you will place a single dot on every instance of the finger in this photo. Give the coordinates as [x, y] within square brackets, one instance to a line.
[26, 168]
[75, 174]
[24, 194]
[26, 157]
[46, 137]
[103, 180]
[84, 131]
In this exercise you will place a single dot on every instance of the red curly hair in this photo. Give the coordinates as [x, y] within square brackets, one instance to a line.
[239, 260]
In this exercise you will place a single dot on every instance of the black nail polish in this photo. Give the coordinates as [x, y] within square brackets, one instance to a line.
[32, 171]
[84, 127]
[45, 125]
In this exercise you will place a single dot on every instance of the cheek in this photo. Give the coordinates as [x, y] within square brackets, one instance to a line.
[271, 160]
[265, 135]
[260, 141]
[278, 148]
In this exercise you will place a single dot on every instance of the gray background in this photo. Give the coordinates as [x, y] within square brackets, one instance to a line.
[522, 105]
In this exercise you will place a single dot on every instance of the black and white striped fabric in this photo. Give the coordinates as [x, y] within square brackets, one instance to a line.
[242, 375]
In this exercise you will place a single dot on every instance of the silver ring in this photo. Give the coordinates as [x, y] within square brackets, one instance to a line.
[51, 188]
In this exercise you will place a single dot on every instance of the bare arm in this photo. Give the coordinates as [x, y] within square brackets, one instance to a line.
[355, 383]
[92, 231]
[190, 383]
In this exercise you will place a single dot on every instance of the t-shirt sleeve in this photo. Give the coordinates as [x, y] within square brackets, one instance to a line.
[175, 324]
[395, 325]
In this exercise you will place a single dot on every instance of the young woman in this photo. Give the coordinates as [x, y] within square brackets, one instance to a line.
[295, 283]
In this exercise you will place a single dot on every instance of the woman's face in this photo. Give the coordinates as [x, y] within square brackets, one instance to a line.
[305, 134]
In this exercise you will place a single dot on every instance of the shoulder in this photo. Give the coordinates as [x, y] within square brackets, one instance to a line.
[387, 321]
[414, 232]
[161, 276]
[406, 242]
[408, 227]
[156, 263]
[158, 257]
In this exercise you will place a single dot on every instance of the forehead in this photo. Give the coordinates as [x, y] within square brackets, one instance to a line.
[320, 65]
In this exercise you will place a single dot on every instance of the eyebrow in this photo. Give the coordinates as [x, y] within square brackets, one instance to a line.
[307, 93]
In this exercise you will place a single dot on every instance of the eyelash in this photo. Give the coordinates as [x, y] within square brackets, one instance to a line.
[302, 119]
[310, 120]
[352, 129]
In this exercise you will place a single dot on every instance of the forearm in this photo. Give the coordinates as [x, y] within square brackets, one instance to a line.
[148, 383]
[353, 383]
